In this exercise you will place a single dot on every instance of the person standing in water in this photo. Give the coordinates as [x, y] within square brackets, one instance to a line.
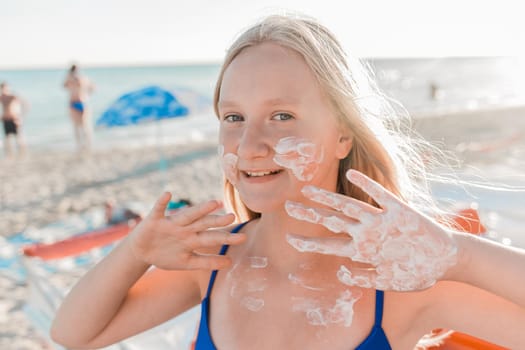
[79, 88]
[11, 119]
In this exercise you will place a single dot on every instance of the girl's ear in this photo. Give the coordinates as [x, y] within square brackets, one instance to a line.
[344, 145]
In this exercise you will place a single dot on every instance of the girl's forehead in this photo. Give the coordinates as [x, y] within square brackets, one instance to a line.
[271, 71]
[267, 55]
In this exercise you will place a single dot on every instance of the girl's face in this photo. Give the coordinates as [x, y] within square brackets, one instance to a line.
[277, 130]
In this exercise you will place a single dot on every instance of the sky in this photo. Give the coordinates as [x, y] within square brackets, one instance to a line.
[54, 33]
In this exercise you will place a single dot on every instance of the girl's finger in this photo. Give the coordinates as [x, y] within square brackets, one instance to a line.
[329, 246]
[188, 215]
[212, 238]
[211, 221]
[328, 218]
[361, 277]
[380, 194]
[208, 262]
[379, 278]
[351, 207]
[160, 205]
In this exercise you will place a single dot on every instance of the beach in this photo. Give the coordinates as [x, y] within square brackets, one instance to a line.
[49, 186]
[44, 188]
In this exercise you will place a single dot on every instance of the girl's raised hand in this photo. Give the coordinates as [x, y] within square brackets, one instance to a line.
[178, 241]
[404, 249]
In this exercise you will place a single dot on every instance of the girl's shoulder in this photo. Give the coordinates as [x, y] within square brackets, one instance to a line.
[407, 316]
[423, 307]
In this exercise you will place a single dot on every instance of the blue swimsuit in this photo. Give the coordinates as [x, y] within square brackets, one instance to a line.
[78, 105]
[376, 340]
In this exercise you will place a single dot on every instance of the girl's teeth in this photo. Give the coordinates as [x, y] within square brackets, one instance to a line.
[261, 173]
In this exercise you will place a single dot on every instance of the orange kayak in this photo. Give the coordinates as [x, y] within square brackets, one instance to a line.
[462, 341]
[78, 244]
[466, 220]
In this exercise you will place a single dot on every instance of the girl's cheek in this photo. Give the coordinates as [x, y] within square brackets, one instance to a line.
[229, 165]
[301, 156]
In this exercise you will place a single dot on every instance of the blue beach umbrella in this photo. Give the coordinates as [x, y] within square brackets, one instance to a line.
[151, 103]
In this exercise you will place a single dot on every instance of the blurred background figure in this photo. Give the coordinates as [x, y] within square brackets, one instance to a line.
[116, 214]
[436, 93]
[79, 88]
[12, 120]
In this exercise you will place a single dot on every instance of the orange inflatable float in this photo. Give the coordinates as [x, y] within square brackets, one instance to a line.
[461, 341]
[79, 243]
[467, 220]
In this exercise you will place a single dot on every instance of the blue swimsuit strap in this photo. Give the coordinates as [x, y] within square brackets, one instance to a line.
[380, 295]
[223, 251]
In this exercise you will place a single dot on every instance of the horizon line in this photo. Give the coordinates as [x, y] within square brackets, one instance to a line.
[101, 65]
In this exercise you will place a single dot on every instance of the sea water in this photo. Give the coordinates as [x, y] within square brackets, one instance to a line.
[47, 124]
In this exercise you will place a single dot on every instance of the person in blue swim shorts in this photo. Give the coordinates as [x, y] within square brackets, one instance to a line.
[329, 237]
[79, 88]
[12, 109]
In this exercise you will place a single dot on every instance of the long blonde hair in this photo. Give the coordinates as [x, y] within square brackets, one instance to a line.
[379, 148]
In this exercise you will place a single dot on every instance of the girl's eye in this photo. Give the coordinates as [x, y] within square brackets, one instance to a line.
[233, 118]
[282, 116]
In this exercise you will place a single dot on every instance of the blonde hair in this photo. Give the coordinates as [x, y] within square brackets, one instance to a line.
[379, 147]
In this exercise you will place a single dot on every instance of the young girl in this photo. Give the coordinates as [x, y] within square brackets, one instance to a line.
[332, 202]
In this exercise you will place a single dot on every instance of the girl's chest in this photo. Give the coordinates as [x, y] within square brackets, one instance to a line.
[259, 311]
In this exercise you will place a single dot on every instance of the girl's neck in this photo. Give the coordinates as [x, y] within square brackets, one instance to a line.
[267, 238]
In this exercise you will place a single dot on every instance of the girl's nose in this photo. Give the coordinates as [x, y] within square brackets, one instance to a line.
[253, 143]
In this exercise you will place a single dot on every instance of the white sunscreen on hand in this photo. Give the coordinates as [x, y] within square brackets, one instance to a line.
[407, 251]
